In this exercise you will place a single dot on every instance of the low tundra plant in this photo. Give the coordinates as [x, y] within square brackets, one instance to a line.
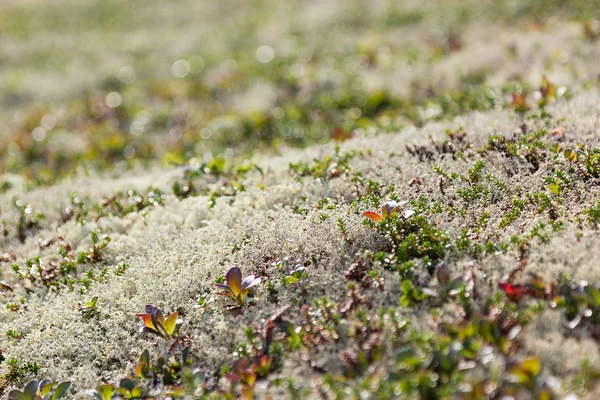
[14, 334]
[168, 377]
[95, 253]
[16, 371]
[90, 308]
[155, 323]
[387, 210]
[41, 390]
[586, 161]
[236, 287]
[26, 221]
[127, 389]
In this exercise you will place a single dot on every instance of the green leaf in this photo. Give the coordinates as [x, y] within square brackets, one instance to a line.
[158, 319]
[488, 331]
[137, 392]
[61, 390]
[407, 286]
[127, 384]
[145, 357]
[176, 391]
[17, 395]
[30, 390]
[594, 295]
[455, 286]
[408, 357]
[404, 301]
[519, 376]
[93, 302]
[142, 370]
[216, 165]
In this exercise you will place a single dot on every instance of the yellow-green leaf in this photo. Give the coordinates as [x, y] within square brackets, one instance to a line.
[45, 387]
[171, 323]
[532, 366]
[106, 392]
[570, 155]
[554, 188]
[61, 390]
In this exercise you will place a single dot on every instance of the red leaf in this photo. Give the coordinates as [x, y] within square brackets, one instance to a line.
[147, 318]
[513, 292]
[372, 216]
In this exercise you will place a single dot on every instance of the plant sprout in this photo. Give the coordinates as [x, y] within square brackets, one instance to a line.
[389, 208]
[155, 322]
[236, 287]
[519, 102]
[89, 310]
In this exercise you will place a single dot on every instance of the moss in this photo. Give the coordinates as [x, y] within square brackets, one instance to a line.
[473, 287]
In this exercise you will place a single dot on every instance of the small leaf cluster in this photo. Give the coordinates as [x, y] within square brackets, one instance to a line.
[585, 160]
[90, 309]
[41, 390]
[325, 169]
[155, 323]
[235, 287]
[26, 220]
[172, 377]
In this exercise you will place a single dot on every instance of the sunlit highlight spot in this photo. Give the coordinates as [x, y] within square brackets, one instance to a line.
[265, 54]
[129, 152]
[113, 99]
[48, 121]
[126, 74]
[38, 134]
[180, 68]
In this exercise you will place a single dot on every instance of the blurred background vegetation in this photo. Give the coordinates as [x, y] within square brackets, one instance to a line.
[87, 85]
